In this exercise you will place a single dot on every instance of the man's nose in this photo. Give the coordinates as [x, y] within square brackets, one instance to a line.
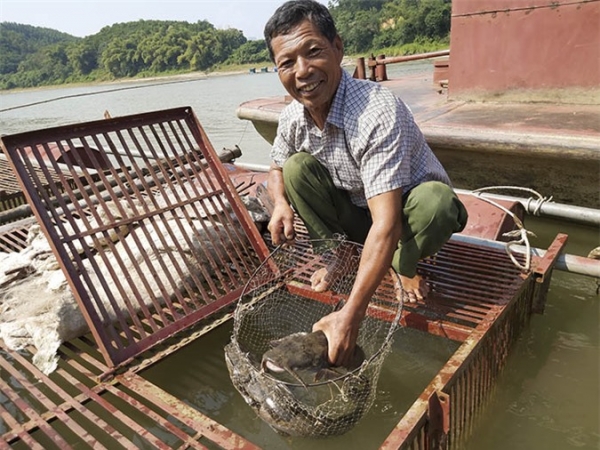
[302, 67]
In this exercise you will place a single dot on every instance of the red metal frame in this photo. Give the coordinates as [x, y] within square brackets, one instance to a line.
[478, 297]
[113, 230]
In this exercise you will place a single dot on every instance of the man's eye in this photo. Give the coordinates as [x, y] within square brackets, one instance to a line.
[285, 64]
[315, 51]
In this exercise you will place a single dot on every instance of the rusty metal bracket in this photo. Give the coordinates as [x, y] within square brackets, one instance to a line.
[438, 411]
[543, 272]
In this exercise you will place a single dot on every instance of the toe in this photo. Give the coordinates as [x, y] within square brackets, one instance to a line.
[410, 297]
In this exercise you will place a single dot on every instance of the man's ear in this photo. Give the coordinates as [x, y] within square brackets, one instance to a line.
[339, 47]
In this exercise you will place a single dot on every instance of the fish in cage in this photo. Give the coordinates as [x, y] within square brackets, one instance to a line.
[280, 367]
[306, 352]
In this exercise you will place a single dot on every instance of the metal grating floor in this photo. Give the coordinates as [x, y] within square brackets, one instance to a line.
[92, 401]
[73, 408]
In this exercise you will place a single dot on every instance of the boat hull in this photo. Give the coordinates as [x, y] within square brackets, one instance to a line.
[553, 148]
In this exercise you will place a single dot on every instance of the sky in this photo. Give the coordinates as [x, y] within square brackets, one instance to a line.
[86, 17]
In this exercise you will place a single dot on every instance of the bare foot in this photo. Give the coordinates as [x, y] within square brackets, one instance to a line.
[340, 263]
[319, 281]
[416, 288]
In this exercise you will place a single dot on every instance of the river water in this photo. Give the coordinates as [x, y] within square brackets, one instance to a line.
[547, 397]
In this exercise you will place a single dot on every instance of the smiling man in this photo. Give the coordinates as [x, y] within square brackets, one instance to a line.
[350, 160]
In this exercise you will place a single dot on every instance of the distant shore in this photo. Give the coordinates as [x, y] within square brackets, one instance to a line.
[184, 76]
[187, 76]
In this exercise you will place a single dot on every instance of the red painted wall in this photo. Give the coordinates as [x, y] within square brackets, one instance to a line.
[524, 47]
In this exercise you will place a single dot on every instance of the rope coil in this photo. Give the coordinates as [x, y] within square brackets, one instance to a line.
[521, 231]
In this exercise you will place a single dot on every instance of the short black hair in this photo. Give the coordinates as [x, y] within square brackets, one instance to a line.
[292, 13]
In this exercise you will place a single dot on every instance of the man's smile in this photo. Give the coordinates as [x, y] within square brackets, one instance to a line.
[308, 88]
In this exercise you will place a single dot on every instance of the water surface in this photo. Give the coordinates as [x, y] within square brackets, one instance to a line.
[547, 397]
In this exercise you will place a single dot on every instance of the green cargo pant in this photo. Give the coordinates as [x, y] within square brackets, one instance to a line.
[431, 212]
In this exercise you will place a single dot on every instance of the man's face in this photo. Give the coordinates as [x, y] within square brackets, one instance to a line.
[309, 68]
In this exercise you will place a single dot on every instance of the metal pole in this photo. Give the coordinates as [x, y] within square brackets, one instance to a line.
[565, 262]
[360, 71]
[418, 56]
[579, 214]
[380, 69]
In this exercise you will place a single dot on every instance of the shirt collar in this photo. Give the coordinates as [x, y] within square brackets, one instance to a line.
[336, 113]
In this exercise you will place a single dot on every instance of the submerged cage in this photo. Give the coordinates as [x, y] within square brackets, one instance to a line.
[165, 179]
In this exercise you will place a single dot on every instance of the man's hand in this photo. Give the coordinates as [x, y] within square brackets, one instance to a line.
[341, 328]
[281, 225]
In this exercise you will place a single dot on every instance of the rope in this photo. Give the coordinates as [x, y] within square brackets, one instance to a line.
[243, 133]
[539, 201]
[85, 94]
[521, 231]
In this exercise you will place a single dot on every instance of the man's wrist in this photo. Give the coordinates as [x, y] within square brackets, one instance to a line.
[281, 203]
[355, 311]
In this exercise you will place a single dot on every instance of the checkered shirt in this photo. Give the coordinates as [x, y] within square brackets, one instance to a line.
[370, 143]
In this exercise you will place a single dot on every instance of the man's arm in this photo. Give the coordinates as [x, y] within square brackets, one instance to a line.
[341, 327]
[281, 225]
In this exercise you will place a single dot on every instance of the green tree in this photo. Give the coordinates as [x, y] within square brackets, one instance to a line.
[227, 42]
[83, 57]
[47, 66]
[373, 24]
[160, 51]
[17, 41]
[357, 22]
[436, 18]
[251, 52]
[197, 54]
[120, 58]
[33, 56]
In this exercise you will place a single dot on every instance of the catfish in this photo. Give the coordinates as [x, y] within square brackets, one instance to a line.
[305, 351]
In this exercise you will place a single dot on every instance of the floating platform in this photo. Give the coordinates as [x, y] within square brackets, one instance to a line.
[144, 299]
[540, 145]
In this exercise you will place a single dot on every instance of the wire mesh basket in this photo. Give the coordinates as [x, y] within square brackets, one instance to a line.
[275, 315]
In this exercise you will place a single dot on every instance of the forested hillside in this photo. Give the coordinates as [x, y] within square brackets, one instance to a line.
[400, 26]
[18, 41]
[34, 56]
[126, 50]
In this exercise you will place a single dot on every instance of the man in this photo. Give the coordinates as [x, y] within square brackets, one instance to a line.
[350, 159]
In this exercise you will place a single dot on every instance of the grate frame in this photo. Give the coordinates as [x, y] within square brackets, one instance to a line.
[119, 232]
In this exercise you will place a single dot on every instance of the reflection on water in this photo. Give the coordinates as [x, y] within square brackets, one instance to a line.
[548, 396]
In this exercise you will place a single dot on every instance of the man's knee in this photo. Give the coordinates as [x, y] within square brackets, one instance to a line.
[445, 203]
[304, 173]
[435, 204]
[297, 164]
